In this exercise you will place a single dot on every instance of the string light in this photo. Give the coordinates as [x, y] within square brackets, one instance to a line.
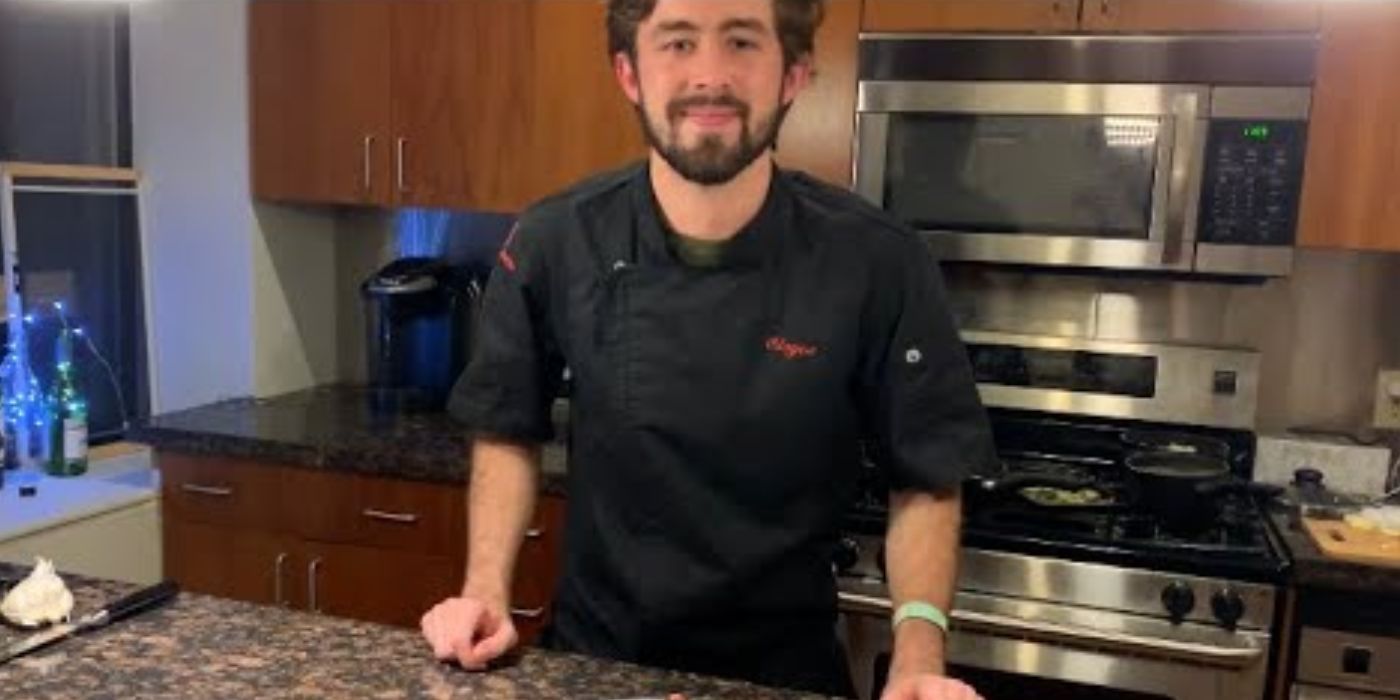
[24, 405]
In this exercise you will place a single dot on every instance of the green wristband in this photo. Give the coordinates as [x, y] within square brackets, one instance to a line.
[927, 612]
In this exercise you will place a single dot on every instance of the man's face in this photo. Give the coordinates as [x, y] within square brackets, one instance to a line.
[709, 84]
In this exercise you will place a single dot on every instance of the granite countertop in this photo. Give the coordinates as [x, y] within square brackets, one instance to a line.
[203, 647]
[332, 428]
[1313, 569]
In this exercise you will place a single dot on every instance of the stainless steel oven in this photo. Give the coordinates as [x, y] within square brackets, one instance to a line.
[1098, 602]
[1179, 154]
[1031, 627]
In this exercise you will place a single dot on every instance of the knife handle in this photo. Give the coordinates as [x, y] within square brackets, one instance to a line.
[142, 600]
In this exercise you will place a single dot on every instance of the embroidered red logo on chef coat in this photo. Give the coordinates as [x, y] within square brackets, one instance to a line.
[507, 261]
[788, 349]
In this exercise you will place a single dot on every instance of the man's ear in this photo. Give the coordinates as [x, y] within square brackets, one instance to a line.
[626, 71]
[798, 76]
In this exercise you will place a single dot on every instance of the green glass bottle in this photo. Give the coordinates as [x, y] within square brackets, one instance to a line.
[68, 429]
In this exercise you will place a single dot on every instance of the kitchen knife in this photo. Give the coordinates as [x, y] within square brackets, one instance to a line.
[140, 601]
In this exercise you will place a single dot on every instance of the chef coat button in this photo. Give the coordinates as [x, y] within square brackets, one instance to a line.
[913, 356]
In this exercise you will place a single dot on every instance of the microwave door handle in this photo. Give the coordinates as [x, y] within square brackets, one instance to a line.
[1184, 149]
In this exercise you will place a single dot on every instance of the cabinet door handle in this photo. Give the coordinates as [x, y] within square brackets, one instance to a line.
[277, 564]
[527, 613]
[399, 147]
[219, 491]
[534, 533]
[404, 518]
[368, 173]
[311, 570]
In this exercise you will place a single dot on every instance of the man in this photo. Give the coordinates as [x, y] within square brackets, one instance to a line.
[734, 333]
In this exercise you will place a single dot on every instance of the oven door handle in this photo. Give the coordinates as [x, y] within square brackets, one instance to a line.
[974, 621]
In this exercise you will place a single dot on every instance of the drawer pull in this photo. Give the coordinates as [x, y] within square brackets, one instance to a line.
[277, 579]
[312, 570]
[527, 613]
[403, 518]
[219, 491]
[534, 533]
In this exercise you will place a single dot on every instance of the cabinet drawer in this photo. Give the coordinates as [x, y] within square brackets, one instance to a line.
[384, 513]
[218, 491]
[414, 516]
[537, 569]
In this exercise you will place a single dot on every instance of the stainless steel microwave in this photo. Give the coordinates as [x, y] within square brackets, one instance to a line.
[1177, 154]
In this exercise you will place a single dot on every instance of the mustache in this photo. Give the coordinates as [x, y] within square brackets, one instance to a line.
[676, 107]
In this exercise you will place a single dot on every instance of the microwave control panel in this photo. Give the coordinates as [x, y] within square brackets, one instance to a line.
[1253, 182]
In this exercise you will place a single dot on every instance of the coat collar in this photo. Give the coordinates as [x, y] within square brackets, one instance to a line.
[757, 244]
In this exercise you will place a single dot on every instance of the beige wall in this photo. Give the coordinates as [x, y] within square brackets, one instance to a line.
[294, 299]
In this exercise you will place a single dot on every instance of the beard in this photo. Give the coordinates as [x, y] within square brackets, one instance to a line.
[710, 162]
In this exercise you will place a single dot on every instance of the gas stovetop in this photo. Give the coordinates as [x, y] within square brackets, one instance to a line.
[1238, 543]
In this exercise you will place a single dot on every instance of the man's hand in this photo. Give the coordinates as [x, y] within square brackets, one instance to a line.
[927, 686]
[474, 630]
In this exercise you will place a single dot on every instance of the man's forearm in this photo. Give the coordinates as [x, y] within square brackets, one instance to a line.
[500, 502]
[921, 558]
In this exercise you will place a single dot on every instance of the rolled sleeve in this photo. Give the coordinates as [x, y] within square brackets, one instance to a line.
[925, 421]
[509, 385]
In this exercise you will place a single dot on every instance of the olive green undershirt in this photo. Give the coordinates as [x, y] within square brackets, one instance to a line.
[696, 252]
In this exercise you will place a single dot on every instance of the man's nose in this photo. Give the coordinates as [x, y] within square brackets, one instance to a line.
[712, 68]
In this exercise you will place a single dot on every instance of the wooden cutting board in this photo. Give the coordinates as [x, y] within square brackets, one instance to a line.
[1342, 542]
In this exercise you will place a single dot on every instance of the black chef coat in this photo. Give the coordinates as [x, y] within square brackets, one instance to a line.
[718, 412]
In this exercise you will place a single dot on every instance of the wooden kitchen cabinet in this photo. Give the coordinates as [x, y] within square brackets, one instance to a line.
[468, 104]
[582, 122]
[461, 102]
[820, 128]
[1140, 16]
[971, 15]
[383, 550]
[1353, 161]
[237, 563]
[1200, 15]
[383, 585]
[319, 93]
[537, 573]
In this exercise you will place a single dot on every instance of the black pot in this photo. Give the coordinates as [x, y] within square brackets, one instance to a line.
[1181, 489]
[1156, 441]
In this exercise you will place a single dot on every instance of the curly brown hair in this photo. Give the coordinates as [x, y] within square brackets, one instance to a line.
[797, 22]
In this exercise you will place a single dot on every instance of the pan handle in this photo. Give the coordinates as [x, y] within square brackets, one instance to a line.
[1013, 482]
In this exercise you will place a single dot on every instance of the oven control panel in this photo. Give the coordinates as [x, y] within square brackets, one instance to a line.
[1253, 182]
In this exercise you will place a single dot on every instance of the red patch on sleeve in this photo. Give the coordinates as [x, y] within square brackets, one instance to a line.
[504, 256]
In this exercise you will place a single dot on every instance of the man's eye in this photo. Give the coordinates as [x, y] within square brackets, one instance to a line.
[679, 45]
[743, 44]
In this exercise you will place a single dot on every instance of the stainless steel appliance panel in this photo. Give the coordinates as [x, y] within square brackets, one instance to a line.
[1349, 660]
[1012, 652]
[1197, 386]
[985, 145]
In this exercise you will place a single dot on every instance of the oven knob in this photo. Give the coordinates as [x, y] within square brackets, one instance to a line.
[1228, 606]
[847, 554]
[1179, 600]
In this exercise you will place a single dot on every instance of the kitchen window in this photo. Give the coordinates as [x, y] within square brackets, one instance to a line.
[64, 84]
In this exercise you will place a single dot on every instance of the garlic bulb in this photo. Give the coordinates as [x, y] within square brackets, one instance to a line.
[40, 598]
